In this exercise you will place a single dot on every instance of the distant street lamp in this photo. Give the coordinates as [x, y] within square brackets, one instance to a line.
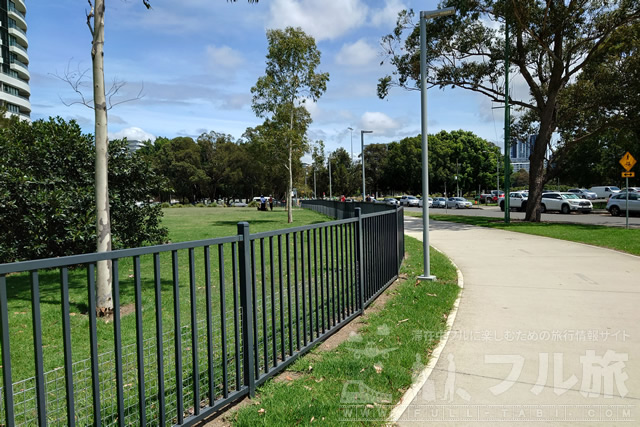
[424, 15]
[351, 129]
[362, 132]
[330, 195]
[315, 190]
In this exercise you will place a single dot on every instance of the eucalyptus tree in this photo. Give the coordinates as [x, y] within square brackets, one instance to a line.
[290, 80]
[552, 43]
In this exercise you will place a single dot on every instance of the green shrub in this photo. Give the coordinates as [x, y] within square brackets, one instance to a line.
[213, 205]
[177, 205]
[165, 205]
[200, 205]
[47, 192]
[253, 204]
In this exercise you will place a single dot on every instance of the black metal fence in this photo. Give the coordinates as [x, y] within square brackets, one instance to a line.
[342, 210]
[197, 338]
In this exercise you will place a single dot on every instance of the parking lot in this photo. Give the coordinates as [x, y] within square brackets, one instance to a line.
[597, 217]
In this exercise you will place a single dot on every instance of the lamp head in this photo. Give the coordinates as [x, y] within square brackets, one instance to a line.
[437, 13]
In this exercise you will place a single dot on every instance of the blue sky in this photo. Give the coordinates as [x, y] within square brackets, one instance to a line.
[196, 61]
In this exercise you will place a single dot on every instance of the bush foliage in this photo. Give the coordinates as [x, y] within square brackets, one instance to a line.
[47, 194]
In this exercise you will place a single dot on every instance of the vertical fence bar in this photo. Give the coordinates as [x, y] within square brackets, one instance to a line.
[360, 269]
[223, 321]
[177, 332]
[281, 280]
[254, 296]
[66, 333]
[37, 348]
[333, 283]
[139, 340]
[194, 333]
[343, 286]
[352, 262]
[246, 300]
[304, 291]
[295, 285]
[236, 309]
[159, 343]
[322, 270]
[93, 340]
[326, 269]
[265, 334]
[315, 279]
[288, 250]
[273, 304]
[117, 338]
[310, 287]
[7, 381]
[209, 314]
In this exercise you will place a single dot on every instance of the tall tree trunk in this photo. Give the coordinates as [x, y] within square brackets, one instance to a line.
[104, 303]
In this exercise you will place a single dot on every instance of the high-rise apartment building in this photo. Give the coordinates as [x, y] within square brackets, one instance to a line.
[520, 153]
[14, 78]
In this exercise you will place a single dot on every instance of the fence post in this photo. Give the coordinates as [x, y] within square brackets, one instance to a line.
[244, 258]
[360, 254]
[399, 248]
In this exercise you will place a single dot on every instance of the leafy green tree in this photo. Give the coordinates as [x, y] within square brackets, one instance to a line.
[375, 156]
[180, 162]
[343, 174]
[552, 43]
[403, 170]
[47, 196]
[290, 79]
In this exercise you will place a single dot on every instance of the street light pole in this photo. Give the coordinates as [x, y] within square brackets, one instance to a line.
[315, 190]
[351, 129]
[330, 195]
[424, 15]
[362, 132]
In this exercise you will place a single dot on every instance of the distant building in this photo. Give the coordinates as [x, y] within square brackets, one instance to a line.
[14, 78]
[134, 144]
[521, 152]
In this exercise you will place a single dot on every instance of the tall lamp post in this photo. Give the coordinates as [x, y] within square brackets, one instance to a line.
[351, 129]
[330, 195]
[424, 15]
[362, 132]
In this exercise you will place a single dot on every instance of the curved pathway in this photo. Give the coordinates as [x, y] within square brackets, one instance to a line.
[547, 332]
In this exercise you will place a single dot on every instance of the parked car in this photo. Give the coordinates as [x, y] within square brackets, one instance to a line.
[564, 203]
[605, 191]
[409, 201]
[458, 203]
[421, 203]
[390, 201]
[496, 195]
[517, 200]
[631, 190]
[618, 203]
[439, 202]
[583, 193]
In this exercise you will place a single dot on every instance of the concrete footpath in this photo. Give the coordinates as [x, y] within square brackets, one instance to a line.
[547, 332]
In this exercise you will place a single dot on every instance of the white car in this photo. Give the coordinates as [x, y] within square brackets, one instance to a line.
[458, 203]
[605, 191]
[583, 193]
[421, 204]
[618, 203]
[564, 203]
[390, 201]
[409, 201]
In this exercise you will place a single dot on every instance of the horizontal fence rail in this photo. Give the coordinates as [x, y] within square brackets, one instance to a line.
[196, 325]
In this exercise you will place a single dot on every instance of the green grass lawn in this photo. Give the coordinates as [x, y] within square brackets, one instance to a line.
[185, 224]
[376, 365]
[616, 238]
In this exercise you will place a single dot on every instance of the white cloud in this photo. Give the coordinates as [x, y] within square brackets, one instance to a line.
[223, 57]
[388, 15]
[358, 54]
[379, 123]
[324, 20]
[132, 133]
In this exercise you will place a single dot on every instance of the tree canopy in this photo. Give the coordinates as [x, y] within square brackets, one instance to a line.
[552, 43]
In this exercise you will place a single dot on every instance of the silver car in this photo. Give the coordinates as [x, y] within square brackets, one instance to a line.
[618, 203]
[458, 203]
[390, 201]
[439, 202]
[583, 193]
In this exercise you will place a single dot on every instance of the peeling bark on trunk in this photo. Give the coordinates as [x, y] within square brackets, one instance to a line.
[104, 303]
